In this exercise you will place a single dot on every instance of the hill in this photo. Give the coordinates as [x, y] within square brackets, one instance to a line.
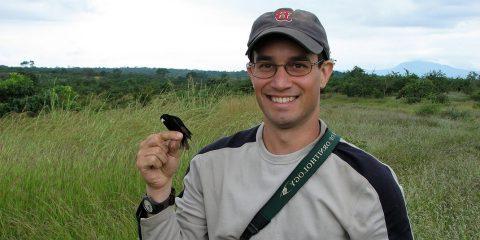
[421, 68]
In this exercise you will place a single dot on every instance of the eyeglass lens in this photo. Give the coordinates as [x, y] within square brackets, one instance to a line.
[265, 69]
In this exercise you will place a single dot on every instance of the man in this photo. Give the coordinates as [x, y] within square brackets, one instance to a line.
[351, 196]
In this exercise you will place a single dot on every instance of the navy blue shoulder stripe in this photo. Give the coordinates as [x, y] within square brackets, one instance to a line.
[234, 141]
[382, 180]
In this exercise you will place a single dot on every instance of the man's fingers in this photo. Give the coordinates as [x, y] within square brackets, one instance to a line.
[159, 139]
[159, 152]
[152, 150]
[174, 148]
[171, 135]
[149, 162]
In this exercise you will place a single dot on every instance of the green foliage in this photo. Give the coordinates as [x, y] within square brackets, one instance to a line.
[455, 114]
[438, 98]
[88, 72]
[398, 81]
[18, 94]
[476, 95]
[4, 108]
[428, 109]
[473, 76]
[116, 73]
[463, 85]
[29, 63]
[63, 97]
[357, 83]
[33, 104]
[416, 90]
[30, 89]
[16, 86]
[439, 80]
[161, 72]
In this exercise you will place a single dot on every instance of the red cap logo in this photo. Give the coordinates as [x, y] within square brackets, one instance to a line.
[283, 15]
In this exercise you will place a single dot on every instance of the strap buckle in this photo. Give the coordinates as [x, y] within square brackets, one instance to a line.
[249, 231]
[258, 223]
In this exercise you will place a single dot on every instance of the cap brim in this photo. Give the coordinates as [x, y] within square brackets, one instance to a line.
[301, 38]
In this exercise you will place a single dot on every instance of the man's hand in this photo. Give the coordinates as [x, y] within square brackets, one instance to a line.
[157, 161]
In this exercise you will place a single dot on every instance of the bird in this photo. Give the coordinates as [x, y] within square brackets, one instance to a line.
[174, 123]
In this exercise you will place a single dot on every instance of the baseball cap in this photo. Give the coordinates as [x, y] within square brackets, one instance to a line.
[300, 25]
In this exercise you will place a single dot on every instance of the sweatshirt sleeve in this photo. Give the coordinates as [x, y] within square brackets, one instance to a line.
[186, 221]
[380, 212]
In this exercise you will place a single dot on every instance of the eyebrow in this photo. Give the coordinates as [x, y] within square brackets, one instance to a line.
[262, 58]
[295, 58]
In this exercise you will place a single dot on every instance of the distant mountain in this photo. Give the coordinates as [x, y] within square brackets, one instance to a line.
[421, 68]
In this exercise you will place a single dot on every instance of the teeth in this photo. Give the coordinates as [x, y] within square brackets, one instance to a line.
[282, 99]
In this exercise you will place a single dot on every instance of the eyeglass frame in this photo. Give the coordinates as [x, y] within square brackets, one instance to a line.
[251, 64]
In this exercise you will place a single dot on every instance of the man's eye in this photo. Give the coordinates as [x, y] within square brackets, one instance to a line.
[299, 65]
[265, 65]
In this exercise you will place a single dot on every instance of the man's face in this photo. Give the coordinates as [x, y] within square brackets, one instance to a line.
[287, 101]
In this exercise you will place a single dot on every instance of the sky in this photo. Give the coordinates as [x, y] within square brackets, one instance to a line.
[212, 34]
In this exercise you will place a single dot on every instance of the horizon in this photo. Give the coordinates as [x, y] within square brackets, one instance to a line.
[369, 71]
[113, 34]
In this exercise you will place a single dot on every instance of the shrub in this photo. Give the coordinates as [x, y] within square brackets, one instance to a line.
[438, 98]
[365, 87]
[33, 104]
[476, 96]
[16, 86]
[62, 97]
[4, 109]
[455, 114]
[428, 109]
[398, 81]
[416, 90]
[439, 80]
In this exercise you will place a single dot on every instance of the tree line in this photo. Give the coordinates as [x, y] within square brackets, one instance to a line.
[409, 87]
[30, 89]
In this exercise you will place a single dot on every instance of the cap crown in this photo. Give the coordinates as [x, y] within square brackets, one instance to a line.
[300, 20]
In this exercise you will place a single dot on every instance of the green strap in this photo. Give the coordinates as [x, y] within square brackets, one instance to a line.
[299, 176]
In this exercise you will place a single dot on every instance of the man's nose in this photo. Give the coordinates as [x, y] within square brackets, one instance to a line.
[281, 79]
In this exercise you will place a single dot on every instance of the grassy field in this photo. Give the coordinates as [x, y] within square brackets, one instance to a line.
[72, 175]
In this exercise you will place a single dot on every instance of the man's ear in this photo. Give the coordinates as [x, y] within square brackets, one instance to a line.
[250, 76]
[249, 71]
[327, 69]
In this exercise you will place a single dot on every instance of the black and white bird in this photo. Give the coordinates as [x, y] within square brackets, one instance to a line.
[174, 123]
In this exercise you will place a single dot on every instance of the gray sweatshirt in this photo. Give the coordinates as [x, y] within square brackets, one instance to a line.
[351, 196]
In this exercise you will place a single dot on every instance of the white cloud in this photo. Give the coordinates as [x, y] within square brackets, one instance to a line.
[140, 33]
[210, 34]
[41, 10]
[384, 47]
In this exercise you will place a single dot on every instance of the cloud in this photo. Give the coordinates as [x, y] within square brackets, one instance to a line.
[176, 34]
[42, 10]
[212, 34]
[384, 47]
[407, 13]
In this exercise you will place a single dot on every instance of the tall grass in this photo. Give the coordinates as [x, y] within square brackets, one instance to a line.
[72, 175]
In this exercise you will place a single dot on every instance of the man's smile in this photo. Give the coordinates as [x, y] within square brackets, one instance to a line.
[281, 99]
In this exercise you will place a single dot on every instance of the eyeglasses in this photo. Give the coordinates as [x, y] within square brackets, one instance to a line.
[266, 69]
